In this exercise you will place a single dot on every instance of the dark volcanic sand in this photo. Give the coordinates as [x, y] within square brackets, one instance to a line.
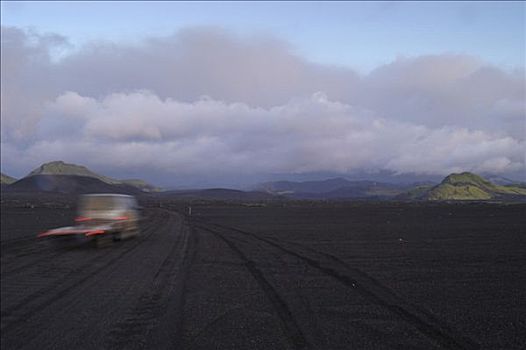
[305, 275]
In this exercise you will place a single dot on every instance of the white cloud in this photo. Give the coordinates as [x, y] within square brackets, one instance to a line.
[305, 135]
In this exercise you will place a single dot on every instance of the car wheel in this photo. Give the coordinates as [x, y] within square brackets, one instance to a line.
[117, 236]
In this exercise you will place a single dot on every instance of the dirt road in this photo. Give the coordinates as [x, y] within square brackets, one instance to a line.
[191, 283]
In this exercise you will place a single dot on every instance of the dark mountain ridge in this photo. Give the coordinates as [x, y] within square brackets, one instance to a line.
[219, 194]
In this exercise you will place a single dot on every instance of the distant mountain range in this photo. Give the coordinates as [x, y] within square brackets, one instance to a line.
[464, 186]
[501, 180]
[220, 194]
[61, 177]
[337, 188]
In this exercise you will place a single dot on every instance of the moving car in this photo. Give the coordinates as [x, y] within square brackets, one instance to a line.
[101, 218]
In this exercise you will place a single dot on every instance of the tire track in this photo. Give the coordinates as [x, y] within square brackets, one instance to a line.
[29, 264]
[133, 331]
[289, 324]
[18, 248]
[469, 343]
[17, 314]
[14, 241]
[175, 305]
[423, 320]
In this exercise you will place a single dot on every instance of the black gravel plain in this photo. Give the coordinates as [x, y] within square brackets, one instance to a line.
[277, 275]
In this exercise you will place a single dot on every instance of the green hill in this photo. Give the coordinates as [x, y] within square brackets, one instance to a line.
[61, 168]
[469, 186]
[415, 193]
[6, 179]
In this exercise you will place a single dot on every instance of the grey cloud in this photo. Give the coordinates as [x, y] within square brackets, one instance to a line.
[445, 90]
[204, 61]
[27, 79]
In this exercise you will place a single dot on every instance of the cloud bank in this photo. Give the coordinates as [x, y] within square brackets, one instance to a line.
[206, 101]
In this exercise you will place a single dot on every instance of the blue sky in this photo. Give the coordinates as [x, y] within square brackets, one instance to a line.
[360, 35]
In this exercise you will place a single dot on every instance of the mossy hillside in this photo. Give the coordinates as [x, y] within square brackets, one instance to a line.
[458, 192]
[62, 168]
[6, 179]
[417, 192]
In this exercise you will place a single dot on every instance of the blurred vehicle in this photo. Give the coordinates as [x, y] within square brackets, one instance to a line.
[102, 218]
